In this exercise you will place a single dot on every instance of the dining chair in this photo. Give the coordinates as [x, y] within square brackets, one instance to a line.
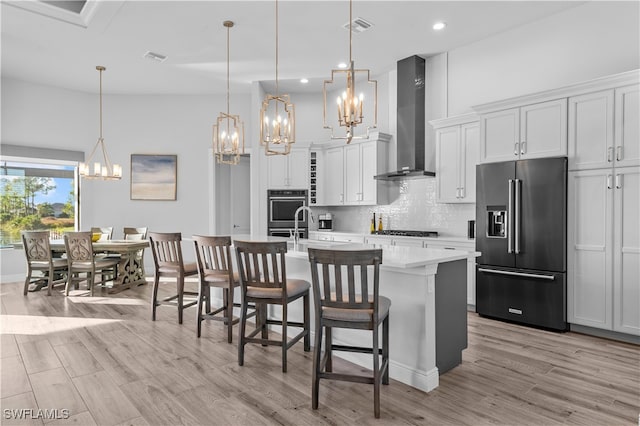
[263, 281]
[132, 233]
[215, 269]
[168, 261]
[39, 257]
[106, 233]
[342, 281]
[82, 260]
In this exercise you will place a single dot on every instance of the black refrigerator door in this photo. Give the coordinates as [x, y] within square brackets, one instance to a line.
[540, 239]
[492, 213]
[525, 296]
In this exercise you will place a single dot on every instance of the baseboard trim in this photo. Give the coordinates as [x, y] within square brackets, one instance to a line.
[606, 334]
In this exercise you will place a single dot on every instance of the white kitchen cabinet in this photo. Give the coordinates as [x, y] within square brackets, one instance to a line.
[627, 126]
[604, 129]
[363, 161]
[289, 171]
[333, 171]
[604, 249]
[348, 173]
[457, 153]
[378, 240]
[591, 130]
[530, 131]
[626, 250]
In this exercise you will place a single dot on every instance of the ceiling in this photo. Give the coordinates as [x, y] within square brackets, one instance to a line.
[45, 44]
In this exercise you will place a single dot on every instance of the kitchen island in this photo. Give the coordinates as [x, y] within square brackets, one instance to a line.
[428, 315]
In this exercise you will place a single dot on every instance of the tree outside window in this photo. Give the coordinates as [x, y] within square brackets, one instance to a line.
[34, 196]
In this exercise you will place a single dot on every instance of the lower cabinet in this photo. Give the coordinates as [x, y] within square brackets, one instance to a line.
[604, 249]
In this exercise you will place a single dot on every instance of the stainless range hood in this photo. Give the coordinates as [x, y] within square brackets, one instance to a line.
[410, 118]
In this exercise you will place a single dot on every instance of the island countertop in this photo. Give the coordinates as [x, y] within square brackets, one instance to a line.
[392, 256]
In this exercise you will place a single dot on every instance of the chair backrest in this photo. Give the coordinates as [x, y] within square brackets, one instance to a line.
[135, 233]
[341, 277]
[36, 246]
[262, 264]
[167, 250]
[213, 255]
[78, 246]
[106, 233]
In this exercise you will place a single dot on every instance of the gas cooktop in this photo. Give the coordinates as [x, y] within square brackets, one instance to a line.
[408, 233]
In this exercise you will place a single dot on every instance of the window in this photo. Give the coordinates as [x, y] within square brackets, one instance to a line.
[37, 194]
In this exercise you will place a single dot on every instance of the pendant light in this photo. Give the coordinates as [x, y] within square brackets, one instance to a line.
[350, 103]
[228, 132]
[277, 117]
[105, 171]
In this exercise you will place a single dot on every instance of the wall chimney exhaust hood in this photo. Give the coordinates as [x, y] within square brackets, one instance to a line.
[410, 118]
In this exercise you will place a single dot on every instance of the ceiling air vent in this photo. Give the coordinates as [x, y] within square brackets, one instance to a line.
[358, 25]
[155, 56]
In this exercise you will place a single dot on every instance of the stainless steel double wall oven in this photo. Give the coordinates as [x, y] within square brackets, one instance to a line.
[282, 205]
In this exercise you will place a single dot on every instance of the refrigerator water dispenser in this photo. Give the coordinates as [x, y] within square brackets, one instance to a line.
[497, 223]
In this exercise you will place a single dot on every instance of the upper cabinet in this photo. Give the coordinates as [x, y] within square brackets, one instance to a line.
[457, 153]
[347, 172]
[627, 126]
[289, 171]
[603, 129]
[530, 131]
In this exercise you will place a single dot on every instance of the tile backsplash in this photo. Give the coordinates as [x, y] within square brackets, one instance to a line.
[415, 208]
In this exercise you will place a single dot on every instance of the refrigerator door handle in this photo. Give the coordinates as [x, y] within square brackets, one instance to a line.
[510, 218]
[518, 274]
[517, 215]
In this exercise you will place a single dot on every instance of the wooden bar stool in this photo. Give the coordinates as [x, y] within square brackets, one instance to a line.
[215, 269]
[263, 281]
[339, 303]
[167, 257]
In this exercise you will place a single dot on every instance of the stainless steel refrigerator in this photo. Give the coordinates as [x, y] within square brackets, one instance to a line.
[521, 231]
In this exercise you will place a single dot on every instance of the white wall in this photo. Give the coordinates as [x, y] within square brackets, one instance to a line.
[592, 40]
[36, 115]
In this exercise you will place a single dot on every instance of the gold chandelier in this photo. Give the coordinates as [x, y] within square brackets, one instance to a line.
[100, 171]
[350, 104]
[228, 132]
[277, 117]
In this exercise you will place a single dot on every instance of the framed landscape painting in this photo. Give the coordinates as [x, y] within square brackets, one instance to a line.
[154, 177]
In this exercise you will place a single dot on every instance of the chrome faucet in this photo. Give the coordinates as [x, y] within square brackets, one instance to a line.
[296, 237]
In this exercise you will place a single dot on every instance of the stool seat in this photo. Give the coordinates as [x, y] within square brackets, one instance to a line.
[188, 268]
[358, 315]
[295, 288]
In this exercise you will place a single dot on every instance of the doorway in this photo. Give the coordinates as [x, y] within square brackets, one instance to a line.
[231, 202]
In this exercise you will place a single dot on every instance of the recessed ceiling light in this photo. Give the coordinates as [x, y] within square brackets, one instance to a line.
[439, 25]
[342, 65]
[304, 80]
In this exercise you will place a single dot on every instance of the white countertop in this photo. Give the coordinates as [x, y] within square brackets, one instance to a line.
[392, 256]
[443, 239]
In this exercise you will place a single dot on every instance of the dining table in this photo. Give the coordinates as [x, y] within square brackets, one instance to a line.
[131, 265]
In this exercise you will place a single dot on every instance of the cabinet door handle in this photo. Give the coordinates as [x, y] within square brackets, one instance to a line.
[523, 147]
[618, 182]
[609, 154]
[462, 193]
[608, 181]
[619, 153]
[515, 149]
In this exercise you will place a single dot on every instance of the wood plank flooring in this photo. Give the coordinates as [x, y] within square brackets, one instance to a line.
[107, 363]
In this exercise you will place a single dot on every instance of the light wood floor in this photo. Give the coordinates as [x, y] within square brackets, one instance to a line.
[103, 359]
